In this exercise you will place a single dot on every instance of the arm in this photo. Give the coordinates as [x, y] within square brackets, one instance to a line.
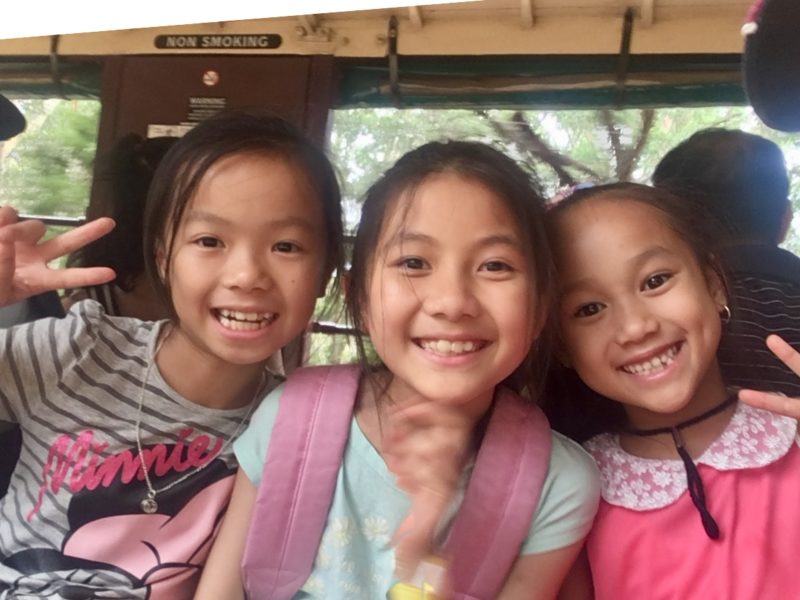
[24, 257]
[222, 574]
[424, 447]
[578, 584]
[769, 400]
[539, 576]
[550, 563]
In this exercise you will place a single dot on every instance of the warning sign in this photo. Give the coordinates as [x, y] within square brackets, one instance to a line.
[202, 107]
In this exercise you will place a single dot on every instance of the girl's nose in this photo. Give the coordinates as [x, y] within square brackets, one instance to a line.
[246, 270]
[450, 295]
[635, 322]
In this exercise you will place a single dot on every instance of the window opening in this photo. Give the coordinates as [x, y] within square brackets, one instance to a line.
[559, 147]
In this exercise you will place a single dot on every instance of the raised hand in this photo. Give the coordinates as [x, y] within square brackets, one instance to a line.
[775, 402]
[425, 448]
[24, 257]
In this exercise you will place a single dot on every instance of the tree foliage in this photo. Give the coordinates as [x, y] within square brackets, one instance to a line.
[47, 169]
[560, 148]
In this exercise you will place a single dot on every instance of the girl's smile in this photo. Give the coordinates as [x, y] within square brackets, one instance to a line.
[655, 362]
[242, 320]
[447, 347]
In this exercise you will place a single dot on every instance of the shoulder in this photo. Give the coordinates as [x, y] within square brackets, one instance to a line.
[89, 324]
[569, 500]
[759, 262]
[334, 386]
[570, 454]
[572, 471]
[85, 325]
[251, 446]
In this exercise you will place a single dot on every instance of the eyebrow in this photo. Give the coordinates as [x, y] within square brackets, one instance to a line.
[489, 240]
[636, 261]
[215, 219]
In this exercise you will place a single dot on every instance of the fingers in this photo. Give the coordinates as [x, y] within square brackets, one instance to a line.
[414, 539]
[426, 413]
[56, 279]
[76, 238]
[776, 403]
[7, 216]
[787, 355]
[25, 232]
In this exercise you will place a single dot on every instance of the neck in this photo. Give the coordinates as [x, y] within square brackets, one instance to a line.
[694, 434]
[384, 405]
[204, 379]
[697, 437]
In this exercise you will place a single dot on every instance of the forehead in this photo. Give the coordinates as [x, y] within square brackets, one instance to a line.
[253, 168]
[263, 184]
[445, 201]
[612, 230]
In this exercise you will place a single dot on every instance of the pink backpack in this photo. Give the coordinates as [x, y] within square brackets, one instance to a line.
[303, 460]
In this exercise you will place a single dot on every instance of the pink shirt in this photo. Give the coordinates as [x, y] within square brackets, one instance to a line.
[648, 541]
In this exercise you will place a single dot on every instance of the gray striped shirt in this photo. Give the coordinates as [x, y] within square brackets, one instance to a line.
[71, 524]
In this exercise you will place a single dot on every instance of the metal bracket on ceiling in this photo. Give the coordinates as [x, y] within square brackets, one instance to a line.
[394, 76]
[55, 67]
[623, 64]
[415, 16]
[310, 29]
[648, 12]
[527, 13]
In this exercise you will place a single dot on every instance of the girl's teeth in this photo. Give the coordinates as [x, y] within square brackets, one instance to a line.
[654, 364]
[242, 321]
[446, 347]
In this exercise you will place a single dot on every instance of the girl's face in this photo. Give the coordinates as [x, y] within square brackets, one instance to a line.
[247, 260]
[450, 307]
[639, 317]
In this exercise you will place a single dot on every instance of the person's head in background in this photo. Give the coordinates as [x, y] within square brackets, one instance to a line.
[126, 173]
[12, 122]
[740, 178]
[770, 62]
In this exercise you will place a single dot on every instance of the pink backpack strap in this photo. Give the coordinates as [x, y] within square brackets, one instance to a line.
[299, 479]
[501, 498]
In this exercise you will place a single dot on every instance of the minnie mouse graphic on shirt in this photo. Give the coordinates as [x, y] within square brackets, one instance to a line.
[113, 549]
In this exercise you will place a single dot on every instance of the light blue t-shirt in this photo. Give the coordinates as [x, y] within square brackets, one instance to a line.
[354, 561]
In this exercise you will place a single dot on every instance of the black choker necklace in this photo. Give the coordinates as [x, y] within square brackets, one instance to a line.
[695, 483]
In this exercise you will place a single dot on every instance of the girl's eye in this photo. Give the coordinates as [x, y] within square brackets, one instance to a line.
[208, 242]
[588, 310]
[496, 266]
[286, 247]
[656, 281]
[412, 263]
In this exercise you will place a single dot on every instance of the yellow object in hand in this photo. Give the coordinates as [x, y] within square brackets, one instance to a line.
[423, 585]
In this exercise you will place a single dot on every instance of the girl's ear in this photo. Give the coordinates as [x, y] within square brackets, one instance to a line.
[717, 288]
[562, 357]
[161, 263]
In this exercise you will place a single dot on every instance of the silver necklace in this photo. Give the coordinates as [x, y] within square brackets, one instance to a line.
[148, 503]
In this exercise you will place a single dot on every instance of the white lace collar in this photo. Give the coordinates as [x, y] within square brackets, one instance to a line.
[753, 438]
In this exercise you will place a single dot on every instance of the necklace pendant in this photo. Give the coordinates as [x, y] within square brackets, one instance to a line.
[149, 504]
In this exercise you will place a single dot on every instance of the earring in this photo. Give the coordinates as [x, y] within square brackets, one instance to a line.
[725, 314]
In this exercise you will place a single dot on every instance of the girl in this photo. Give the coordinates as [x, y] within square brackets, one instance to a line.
[699, 491]
[126, 463]
[451, 278]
